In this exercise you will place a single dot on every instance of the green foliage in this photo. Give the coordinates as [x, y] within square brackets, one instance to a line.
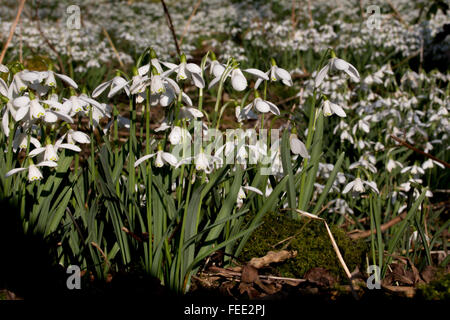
[310, 239]
[438, 289]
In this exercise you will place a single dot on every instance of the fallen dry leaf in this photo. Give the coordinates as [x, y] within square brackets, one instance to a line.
[428, 273]
[272, 257]
[321, 277]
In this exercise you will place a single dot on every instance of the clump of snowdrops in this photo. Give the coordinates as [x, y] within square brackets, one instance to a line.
[171, 196]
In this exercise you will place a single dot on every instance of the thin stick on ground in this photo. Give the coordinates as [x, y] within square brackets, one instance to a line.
[188, 23]
[11, 31]
[170, 24]
[383, 227]
[50, 45]
[311, 21]
[112, 46]
[405, 144]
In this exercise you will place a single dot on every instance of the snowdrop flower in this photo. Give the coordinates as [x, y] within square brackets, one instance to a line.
[262, 106]
[414, 169]
[227, 151]
[18, 84]
[330, 108]
[186, 71]
[363, 125]
[357, 185]
[3, 68]
[179, 135]
[154, 62]
[241, 194]
[428, 164]
[77, 136]
[51, 80]
[345, 135]
[190, 113]
[162, 158]
[238, 80]
[20, 140]
[276, 74]
[164, 90]
[33, 172]
[115, 84]
[336, 64]
[392, 164]
[203, 162]
[215, 67]
[28, 106]
[74, 105]
[51, 151]
[363, 163]
[297, 146]
[245, 113]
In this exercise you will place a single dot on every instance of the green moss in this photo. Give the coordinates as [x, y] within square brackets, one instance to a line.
[310, 239]
[438, 289]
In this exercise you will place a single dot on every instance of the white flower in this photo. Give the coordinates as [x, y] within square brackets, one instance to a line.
[238, 80]
[262, 106]
[27, 106]
[50, 150]
[357, 185]
[51, 81]
[161, 159]
[190, 113]
[276, 74]
[179, 135]
[337, 64]
[298, 147]
[77, 136]
[216, 68]
[330, 108]
[414, 169]
[204, 162]
[392, 164]
[21, 140]
[241, 194]
[428, 164]
[33, 172]
[3, 68]
[73, 105]
[246, 113]
[186, 71]
[116, 84]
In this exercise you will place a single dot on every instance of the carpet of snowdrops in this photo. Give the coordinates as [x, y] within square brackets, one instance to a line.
[312, 102]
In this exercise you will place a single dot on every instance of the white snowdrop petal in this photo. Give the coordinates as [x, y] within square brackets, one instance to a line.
[67, 80]
[14, 171]
[192, 67]
[262, 106]
[100, 88]
[70, 147]
[21, 102]
[250, 188]
[257, 73]
[142, 159]
[169, 158]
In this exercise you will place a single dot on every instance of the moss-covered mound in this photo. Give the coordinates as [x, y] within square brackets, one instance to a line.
[310, 239]
[438, 289]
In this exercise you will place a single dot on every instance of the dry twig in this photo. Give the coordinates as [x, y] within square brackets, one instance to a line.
[11, 31]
